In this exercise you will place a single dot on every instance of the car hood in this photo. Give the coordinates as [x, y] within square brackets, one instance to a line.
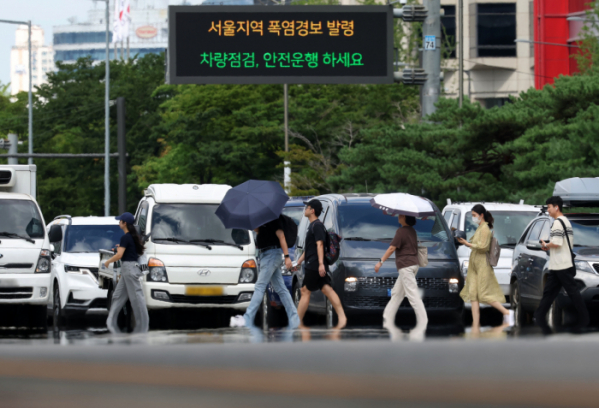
[91, 259]
[376, 249]
[587, 254]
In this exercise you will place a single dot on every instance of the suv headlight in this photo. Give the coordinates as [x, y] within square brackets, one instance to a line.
[44, 263]
[465, 268]
[249, 272]
[584, 266]
[157, 271]
[80, 271]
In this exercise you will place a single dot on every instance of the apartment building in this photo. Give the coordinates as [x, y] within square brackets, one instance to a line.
[42, 59]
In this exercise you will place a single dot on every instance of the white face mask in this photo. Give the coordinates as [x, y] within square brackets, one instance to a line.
[475, 220]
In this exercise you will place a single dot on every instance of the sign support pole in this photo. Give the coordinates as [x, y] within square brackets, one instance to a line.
[287, 174]
[431, 56]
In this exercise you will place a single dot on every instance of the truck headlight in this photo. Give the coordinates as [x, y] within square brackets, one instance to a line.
[465, 268]
[44, 263]
[584, 266]
[249, 272]
[157, 271]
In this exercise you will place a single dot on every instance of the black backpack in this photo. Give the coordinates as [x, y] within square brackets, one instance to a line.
[289, 229]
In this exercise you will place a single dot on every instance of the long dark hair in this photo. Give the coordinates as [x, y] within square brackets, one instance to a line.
[480, 209]
[139, 247]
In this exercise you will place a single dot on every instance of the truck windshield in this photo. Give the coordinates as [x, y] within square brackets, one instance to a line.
[20, 217]
[507, 228]
[361, 221]
[193, 222]
[91, 238]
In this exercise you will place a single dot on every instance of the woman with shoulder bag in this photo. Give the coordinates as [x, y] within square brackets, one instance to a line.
[481, 284]
[405, 246]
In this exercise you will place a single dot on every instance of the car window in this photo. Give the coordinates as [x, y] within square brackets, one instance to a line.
[295, 213]
[535, 232]
[586, 232]
[58, 244]
[24, 219]
[91, 238]
[546, 231]
[142, 217]
[329, 222]
[447, 216]
[301, 232]
[455, 223]
[507, 227]
[525, 234]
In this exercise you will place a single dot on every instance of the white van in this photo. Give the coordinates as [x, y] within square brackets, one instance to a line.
[510, 222]
[25, 256]
[193, 261]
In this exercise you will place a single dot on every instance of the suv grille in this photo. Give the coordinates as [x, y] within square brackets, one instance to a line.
[380, 302]
[16, 293]
[388, 282]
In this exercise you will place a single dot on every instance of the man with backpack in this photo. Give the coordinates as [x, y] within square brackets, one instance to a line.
[272, 246]
[561, 268]
[316, 269]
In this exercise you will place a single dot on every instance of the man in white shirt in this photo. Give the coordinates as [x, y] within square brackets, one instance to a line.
[561, 268]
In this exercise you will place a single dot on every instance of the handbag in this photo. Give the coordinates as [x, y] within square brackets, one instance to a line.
[494, 252]
[422, 256]
[569, 245]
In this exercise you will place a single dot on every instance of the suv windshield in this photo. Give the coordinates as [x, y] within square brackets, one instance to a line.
[91, 238]
[296, 213]
[586, 232]
[193, 222]
[508, 225]
[20, 217]
[361, 220]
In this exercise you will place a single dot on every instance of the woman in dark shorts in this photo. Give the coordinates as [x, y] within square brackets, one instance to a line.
[315, 270]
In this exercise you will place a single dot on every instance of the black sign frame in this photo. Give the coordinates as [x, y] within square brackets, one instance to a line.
[173, 78]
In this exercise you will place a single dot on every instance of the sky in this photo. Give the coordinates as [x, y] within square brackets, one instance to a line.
[45, 13]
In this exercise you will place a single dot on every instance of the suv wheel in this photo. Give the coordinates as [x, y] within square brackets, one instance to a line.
[58, 318]
[520, 315]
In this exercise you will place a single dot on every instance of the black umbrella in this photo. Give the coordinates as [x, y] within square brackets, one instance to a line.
[252, 204]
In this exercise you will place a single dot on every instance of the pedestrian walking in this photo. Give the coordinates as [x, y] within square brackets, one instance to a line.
[129, 286]
[405, 246]
[272, 248]
[481, 285]
[316, 275]
[561, 268]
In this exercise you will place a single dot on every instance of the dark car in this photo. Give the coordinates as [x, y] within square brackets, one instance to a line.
[273, 313]
[367, 233]
[529, 270]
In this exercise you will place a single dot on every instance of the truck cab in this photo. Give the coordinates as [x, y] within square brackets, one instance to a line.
[193, 260]
[25, 251]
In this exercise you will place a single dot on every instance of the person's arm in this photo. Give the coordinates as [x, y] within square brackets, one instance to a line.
[386, 256]
[556, 239]
[120, 251]
[482, 243]
[283, 242]
[320, 250]
[301, 258]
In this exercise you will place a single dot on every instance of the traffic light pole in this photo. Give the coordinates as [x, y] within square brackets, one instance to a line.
[431, 56]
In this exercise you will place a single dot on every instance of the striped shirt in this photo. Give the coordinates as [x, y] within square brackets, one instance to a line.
[561, 258]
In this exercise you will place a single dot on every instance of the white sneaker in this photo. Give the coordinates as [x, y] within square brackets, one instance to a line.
[509, 318]
[237, 321]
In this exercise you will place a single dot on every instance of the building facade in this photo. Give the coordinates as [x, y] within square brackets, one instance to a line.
[42, 59]
[148, 33]
[495, 65]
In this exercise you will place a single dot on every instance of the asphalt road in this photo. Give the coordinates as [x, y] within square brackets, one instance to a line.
[317, 368]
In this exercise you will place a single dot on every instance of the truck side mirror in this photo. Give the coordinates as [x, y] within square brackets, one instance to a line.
[55, 234]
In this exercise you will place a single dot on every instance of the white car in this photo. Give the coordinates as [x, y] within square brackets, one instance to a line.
[74, 277]
[193, 260]
[25, 261]
[510, 222]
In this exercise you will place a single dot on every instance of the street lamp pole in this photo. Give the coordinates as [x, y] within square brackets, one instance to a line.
[107, 123]
[29, 97]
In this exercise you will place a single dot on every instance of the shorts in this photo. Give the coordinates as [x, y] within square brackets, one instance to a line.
[313, 281]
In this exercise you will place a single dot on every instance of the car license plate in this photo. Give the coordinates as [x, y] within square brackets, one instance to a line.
[204, 290]
[389, 292]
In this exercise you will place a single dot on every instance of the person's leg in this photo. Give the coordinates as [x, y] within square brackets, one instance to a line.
[500, 307]
[269, 261]
[408, 277]
[397, 296]
[131, 274]
[475, 309]
[566, 278]
[119, 298]
[550, 292]
[278, 284]
[302, 307]
[336, 302]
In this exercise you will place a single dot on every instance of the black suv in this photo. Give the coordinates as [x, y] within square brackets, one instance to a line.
[529, 269]
[367, 233]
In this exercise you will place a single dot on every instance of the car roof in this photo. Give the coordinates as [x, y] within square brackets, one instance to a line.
[493, 206]
[91, 220]
[187, 193]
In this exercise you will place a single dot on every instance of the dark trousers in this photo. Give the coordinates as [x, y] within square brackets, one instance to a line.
[555, 281]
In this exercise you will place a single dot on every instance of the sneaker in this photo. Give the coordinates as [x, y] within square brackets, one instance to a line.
[509, 318]
[237, 321]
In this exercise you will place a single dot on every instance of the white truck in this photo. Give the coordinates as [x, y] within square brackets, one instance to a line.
[193, 260]
[510, 222]
[25, 251]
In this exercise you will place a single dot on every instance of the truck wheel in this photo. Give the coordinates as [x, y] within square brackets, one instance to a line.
[38, 318]
[58, 317]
